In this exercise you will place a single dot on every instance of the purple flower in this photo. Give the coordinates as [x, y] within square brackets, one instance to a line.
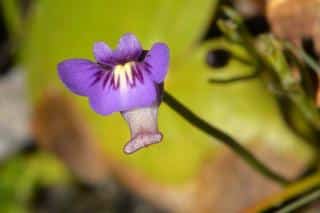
[127, 80]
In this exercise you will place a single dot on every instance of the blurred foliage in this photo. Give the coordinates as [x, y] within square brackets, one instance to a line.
[12, 16]
[57, 30]
[20, 176]
[60, 29]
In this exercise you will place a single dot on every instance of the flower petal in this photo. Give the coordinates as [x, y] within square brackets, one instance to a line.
[102, 53]
[157, 61]
[129, 48]
[106, 99]
[78, 74]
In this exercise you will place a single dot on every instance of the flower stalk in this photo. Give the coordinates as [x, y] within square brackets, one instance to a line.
[216, 133]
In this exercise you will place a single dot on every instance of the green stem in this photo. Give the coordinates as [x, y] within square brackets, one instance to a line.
[306, 199]
[295, 196]
[268, 54]
[234, 79]
[214, 132]
[304, 56]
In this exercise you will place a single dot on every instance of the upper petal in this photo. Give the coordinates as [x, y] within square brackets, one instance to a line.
[129, 48]
[78, 74]
[106, 100]
[157, 61]
[102, 53]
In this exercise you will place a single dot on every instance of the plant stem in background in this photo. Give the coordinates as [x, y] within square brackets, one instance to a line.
[306, 199]
[292, 198]
[271, 52]
[214, 132]
[304, 57]
[267, 53]
[241, 78]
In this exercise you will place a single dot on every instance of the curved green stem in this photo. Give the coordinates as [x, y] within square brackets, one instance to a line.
[294, 197]
[306, 199]
[234, 79]
[304, 57]
[214, 132]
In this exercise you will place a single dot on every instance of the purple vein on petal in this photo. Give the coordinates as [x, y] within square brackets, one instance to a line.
[107, 66]
[138, 73]
[105, 81]
[147, 67]
[97, 76]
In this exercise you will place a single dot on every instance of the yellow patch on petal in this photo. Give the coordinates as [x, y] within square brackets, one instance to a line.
[119, 73]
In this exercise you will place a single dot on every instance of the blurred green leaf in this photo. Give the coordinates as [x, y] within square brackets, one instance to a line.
[66, 29]
[20, 175]
[12, 17]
